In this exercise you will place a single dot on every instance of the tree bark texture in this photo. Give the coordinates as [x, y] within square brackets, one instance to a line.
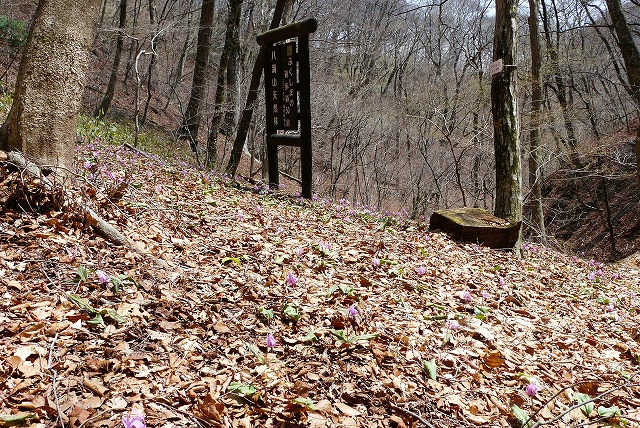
[193, 114]
[631, 58]
[506, 139]
[102, 109]
[51, 78]
[535, 176]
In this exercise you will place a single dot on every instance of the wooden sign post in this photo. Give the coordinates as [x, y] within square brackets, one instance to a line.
[287, 76]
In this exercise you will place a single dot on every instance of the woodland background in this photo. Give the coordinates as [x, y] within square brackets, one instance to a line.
[400, 99]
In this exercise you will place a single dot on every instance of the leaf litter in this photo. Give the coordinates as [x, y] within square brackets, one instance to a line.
[237, 307]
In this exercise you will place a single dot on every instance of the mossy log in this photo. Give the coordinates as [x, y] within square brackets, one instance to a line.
[476, 225]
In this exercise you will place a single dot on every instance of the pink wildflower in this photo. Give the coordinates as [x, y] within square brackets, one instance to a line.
[271, 341]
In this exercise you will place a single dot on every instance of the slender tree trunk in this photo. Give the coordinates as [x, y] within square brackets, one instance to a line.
[233, 69]
[631, 57]
[152, 63]
[560, 87]
[252, 96]
[135, 42]
[235, 7]
[191, 123]
[51, 78]
[506, 139]
[537, 212]
[102, 109]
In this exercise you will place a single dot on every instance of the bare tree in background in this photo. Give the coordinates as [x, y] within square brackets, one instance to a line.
[535, 176]
[193, 115]
[102, 109]
[222, 90]
[631, 58]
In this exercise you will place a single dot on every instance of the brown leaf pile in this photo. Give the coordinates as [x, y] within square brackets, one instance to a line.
[178, 332]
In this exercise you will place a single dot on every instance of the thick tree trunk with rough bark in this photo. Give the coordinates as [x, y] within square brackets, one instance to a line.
[631, 57]
[51, 78]
[535, 176]
[505, 115]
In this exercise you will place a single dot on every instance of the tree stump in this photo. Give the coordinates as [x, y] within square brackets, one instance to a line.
[476, 225]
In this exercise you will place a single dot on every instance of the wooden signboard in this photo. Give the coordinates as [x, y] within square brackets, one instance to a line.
[288, 95]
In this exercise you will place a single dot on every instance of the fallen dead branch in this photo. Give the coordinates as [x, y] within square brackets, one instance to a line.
[93, 219]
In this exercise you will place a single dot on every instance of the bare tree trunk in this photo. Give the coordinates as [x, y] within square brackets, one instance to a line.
[191, 123]
[152, 63]
[537, 212]
[252, 95]
[102, 109]
[233, 21]
[505, 115]
[51, 78]
[631, 58]
[233, 69]
[560, 87]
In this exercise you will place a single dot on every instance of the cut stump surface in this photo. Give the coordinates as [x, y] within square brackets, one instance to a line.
[476, 225]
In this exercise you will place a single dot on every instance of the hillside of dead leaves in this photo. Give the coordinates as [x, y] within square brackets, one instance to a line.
[372, 320]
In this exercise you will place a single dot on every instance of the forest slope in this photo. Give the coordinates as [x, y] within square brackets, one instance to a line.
[376, 321]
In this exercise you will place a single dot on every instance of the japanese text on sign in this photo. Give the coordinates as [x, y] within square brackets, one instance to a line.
[283, 91]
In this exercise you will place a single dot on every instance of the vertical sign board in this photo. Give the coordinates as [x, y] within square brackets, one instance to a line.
[282, 96]
[287, 95]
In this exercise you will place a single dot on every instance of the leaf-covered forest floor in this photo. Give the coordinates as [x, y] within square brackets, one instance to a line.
[377, 321]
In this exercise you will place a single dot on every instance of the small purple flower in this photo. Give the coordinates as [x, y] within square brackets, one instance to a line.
[271, 341]
[134, 420]
[299, 251]
[532, 389]
[421, 270]
[485, 294]
[591, 276]
[592, 262]
[453, 325]
[632, 294]
[599, 272]
[615, 276]
[87, 164]
[353, 312]
[611, 307]
[501, 281]
[466, 296]
[291, 279]
[103, 278]
[375, 262]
